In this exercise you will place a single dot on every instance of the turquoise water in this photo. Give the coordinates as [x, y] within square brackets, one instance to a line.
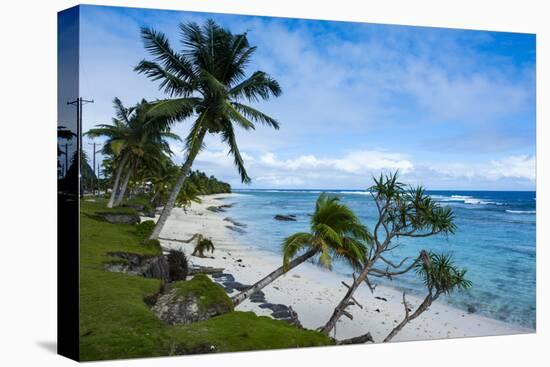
[495, 240]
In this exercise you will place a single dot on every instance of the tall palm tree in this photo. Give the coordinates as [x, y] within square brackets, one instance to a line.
[133, 138]
[207, 80]
[335, 231]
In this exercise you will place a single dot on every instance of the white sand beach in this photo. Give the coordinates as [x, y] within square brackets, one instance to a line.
[314, 292]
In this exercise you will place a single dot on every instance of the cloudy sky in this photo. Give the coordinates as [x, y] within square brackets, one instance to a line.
[451, 109]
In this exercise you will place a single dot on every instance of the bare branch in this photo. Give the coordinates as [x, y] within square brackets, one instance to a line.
[347, 314]
[351, 297]
[392, 264]
[371, 287]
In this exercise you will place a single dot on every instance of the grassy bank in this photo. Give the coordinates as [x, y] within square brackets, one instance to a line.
[115, 322]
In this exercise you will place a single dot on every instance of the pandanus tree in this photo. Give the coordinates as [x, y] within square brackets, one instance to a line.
[335, 232]
[206, 80]
[440, 276]
[403, 212]
[134, 137]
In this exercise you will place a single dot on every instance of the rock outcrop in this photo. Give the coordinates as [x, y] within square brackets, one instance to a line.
[119, 218]
[285, 218]
[190, 301]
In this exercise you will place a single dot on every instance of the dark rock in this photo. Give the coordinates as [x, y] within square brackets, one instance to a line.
[234, 222]
[285, 218]
[147, 266]
[381, 299]
[238, 286]
[119, 218]
[377, 310]
[258, 297]
[236, 229]
[174, 308]
[274, 307]
[223, 277]
[239, 260]
[219, 209]
[471, 309]
[281, 314]
[293, 319]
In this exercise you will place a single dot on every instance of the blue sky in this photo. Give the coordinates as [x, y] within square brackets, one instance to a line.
[451, 109]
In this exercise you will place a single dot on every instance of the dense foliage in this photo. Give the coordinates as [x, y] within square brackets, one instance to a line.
[207, 185]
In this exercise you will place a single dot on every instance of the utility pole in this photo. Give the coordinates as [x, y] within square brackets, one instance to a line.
[93, 165]
[67, 145]
[79, 102]
[98, 180]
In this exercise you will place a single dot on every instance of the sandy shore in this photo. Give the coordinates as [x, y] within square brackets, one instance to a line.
[314, 292]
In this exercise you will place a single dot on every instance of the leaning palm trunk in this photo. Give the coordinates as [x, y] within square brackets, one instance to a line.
[171, 202]
[124, 186]
[117, 181]
[272, 277]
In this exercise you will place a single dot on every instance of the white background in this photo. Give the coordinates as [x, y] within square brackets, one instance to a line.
[28, 181]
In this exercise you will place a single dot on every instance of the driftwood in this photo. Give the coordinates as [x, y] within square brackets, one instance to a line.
[356, 340]
[182, 241]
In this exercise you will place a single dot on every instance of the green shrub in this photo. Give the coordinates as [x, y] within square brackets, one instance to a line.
[144, 229]
[153, 244]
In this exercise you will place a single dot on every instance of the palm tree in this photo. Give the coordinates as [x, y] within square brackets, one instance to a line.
[207, 80]
[440, 276]
[335, 232]
[134, 137]
[203, 245]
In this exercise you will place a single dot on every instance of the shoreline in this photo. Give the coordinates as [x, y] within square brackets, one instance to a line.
[313, 292]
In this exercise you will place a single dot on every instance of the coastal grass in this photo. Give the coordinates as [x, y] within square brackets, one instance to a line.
[115, 321]
[209, 293]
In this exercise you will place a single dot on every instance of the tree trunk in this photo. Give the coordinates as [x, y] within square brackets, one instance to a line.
[423, 307]
[270, 278]
[185, 168]
[117, 181]
[124, 186]
[152, 201]
[339, 310]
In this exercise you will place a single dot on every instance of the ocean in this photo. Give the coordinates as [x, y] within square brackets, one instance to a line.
[495, 241]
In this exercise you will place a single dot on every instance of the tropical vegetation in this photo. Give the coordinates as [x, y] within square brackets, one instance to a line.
[335, 232]
[207, 81]
[134, 139]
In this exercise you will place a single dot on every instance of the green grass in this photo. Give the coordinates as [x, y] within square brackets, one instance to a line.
[209, 293]
[115, 322]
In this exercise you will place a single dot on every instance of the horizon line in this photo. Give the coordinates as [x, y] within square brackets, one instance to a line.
[365, 190]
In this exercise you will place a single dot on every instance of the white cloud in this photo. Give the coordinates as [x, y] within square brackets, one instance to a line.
[355, 170]
[354, 162]
[521, 166]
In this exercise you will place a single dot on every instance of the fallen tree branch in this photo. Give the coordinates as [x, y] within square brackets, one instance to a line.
[356, 340]
[182, 241]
